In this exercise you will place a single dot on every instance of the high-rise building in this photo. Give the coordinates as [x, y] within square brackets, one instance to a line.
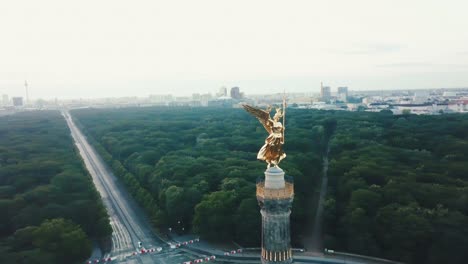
[222, 92]
[235, 93]
[27, 91]
[325, 93]
[17, 101]
[343, 93]
[5, 100]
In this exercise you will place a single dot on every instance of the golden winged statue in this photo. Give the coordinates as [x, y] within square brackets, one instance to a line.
[272, 151]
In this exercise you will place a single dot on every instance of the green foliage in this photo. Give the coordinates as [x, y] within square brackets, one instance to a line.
[214, 216]
[54, 241]
[398, 187]
[406, 112]
[63, 239]
[176, 161]
[397, 184]
[42, 177]
[329, 126]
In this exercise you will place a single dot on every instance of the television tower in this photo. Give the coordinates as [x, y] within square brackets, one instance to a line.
[27, 92]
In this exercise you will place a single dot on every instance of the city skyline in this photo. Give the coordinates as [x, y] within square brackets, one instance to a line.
[120, 49]
[214, 94]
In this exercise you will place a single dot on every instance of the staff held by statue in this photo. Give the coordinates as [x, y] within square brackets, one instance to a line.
[284, 117]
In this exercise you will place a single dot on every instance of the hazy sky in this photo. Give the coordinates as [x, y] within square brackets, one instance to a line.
[115, 48]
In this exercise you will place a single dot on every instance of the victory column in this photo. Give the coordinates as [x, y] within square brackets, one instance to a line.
[274, 193]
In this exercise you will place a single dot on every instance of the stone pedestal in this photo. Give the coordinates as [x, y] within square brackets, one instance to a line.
[275, 196]
[274, 178]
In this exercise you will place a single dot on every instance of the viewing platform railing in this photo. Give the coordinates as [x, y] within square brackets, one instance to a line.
[284, 193]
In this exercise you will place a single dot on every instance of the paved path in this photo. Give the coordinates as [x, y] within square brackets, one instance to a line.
[314, 238]
[128, 222]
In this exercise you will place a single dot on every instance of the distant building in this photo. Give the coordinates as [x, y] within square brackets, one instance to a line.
[421, 109]
[420, 97]
[195, 103]
[235, 93]
[204, 98]
[325, 93]
[200, 99]
[224, 101]
[460, 106]
[300, 102]
[222, 92]
[449, 94]
[196, 97]
[161, 99]
[5, 100]
[17, 101]
[183, 99]
[343, 94]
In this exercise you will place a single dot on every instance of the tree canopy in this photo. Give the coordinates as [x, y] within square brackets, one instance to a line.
[198, 166]
[397, 184]
[49, 206]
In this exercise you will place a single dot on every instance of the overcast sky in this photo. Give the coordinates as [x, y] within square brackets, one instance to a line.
[112, 48]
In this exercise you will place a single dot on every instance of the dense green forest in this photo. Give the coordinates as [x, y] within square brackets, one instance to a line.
[397, 184]
[198, 166]
[50, 210]
[398, 187]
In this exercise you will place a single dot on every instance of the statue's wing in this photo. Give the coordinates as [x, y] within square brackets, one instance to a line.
[262, 116]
